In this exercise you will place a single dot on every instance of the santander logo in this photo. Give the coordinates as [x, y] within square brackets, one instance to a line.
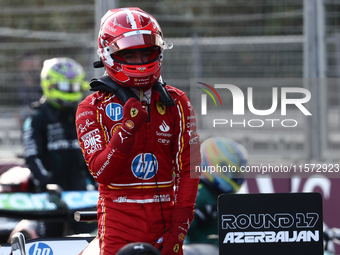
[164, 127]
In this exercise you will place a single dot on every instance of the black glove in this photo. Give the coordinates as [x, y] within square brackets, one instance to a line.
[205, 212]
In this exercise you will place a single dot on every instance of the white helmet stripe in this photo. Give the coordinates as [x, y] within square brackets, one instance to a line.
[131, 18]
[137, 32]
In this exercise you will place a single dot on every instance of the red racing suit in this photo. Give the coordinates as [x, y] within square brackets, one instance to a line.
[138, 190]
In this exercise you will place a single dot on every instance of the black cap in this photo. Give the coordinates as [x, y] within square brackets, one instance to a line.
[138, 249]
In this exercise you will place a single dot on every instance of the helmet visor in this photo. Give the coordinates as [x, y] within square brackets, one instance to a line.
[135, 39]
[66, 86]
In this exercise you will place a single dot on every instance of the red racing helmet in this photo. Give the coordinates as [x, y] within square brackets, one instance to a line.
[131, 28]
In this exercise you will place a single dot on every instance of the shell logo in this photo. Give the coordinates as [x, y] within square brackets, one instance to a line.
[181, 237]
[129, 124]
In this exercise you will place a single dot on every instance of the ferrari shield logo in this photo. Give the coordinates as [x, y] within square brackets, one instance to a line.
[160, 108]
[133, 112]
[176, 248]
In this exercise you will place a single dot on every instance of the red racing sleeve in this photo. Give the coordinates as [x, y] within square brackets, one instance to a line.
[186, 154]
[102, 159]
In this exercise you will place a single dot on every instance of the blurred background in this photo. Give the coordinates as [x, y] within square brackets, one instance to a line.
[212, 39]
[291, 39]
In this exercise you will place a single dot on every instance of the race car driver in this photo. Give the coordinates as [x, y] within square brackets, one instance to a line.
[139, 139]
[51, 148]
[50, 142]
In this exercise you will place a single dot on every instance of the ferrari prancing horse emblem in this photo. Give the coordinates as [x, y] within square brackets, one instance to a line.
[160, 108]
[133, 112]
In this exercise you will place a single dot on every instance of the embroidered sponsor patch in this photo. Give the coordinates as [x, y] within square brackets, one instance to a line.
[164, 127]
[114, 128]
[181, 237]
[114, 111]
[129, 124]
[176, 248]
[82, 114]
[133, 112]
[144, 166]
[92, 141]
[160, 108]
